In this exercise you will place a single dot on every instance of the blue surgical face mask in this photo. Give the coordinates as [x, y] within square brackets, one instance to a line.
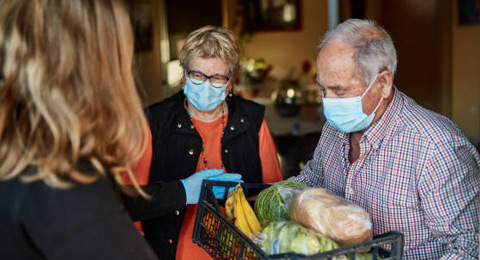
[346, 114]
[204, 97]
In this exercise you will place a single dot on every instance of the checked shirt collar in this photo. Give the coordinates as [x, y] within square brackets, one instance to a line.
[377, 132]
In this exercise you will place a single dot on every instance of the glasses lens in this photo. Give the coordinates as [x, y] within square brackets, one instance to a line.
[219, 81]
[197, 77]
[218, 85]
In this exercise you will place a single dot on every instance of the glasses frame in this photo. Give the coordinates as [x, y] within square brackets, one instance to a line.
[208, 78]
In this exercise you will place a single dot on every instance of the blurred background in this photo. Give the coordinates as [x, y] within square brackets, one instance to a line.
[437, 43]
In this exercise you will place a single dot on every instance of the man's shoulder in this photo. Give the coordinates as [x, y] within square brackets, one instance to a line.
[429, 125]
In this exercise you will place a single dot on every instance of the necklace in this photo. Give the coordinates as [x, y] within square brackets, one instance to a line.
[202, 152]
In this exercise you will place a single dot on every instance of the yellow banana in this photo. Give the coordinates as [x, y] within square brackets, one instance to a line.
[229, 205]
[240, 218]
[252, 219]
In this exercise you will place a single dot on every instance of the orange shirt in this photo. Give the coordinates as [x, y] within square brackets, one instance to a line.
[141, 171]
[211, 134]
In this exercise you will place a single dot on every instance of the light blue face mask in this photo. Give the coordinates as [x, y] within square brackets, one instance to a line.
[204, 97]
[346, 114]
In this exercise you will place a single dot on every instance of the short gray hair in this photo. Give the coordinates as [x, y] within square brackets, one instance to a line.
[211, 42]
[374, 49]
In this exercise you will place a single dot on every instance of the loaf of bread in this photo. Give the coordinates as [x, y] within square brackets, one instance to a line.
[332, 216]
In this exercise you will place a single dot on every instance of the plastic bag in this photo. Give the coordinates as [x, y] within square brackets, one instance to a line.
[335, 217]
[285, 236]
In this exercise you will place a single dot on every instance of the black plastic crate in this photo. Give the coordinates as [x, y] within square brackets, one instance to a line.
[222, 240]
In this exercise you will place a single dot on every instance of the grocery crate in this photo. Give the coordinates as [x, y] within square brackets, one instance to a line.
[222, 240]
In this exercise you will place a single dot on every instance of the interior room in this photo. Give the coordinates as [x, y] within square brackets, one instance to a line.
[437, 44]
[240, 129]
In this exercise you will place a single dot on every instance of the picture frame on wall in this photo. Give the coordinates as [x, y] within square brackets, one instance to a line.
[272, 15]
[468, 12]
[141, 16]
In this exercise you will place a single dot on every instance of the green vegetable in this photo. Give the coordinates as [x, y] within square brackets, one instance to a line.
[270, 206]
[286, 236]
[270, 232]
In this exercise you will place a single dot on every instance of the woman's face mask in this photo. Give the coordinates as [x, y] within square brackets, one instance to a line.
[346, 114]
[204, 96]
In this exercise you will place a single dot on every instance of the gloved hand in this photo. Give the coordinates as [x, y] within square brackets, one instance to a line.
[193, 184]
[219, 191]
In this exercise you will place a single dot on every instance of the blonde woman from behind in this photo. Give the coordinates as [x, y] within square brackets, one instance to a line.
[71, 124]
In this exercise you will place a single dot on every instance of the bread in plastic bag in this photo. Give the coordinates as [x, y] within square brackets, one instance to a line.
[335, 217]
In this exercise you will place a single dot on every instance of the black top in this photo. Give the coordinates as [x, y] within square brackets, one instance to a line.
[83, 222]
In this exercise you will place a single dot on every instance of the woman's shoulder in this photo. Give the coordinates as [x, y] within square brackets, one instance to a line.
[42, 196]
[75, 217]
[12, 194]
[166, 105]
[246, 102]
[249, 105]
[244, 107]
[77, 203]
[167, 108]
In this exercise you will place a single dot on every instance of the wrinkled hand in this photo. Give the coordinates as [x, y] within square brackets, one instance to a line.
[219, 191]
[193, 184]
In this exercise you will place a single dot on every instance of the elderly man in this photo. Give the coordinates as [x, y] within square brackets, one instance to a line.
[411, 169]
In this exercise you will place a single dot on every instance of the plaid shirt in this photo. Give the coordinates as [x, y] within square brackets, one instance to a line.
[416, 174]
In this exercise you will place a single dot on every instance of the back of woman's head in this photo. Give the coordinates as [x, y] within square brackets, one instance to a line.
[67, 90]
[211, 42]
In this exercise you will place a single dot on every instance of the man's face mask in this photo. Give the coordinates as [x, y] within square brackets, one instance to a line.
[203, 96]
[346, 114]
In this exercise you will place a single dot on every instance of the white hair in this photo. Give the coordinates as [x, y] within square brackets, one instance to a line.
[374, 49]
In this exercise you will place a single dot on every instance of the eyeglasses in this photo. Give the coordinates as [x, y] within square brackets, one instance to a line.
[216, 80]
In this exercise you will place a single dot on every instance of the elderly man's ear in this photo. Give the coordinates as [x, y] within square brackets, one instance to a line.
[386, 80]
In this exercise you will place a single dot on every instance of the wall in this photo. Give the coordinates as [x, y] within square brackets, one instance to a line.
[288, 49]
[148, 65]
[416, 28]
[465, 77]
[450, 85]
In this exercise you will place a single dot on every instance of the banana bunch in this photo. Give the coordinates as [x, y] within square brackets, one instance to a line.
[239, 211]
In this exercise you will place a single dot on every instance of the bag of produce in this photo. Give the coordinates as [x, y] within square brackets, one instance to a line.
[269, 204]
[335, 217]
[285, 236]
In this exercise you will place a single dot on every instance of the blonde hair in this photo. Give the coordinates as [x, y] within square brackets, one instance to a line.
[68, 92]
[211, 42]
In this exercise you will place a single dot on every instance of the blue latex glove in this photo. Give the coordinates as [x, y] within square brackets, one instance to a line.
[219, 191]
[193, 184]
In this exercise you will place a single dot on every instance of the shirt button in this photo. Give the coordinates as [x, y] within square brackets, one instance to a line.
[179, 125]
[242, 120]
[191, 151]
[232, 128]
[226, 150]
[170, 241]
[176, 212]
[192, 126]
[350, 190]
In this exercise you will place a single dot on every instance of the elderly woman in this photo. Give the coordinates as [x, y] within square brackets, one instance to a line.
[204, 126]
